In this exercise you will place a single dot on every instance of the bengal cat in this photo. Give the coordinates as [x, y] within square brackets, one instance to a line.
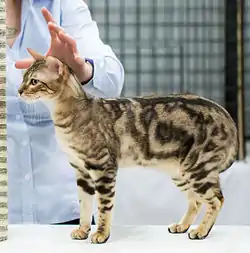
[192, 138]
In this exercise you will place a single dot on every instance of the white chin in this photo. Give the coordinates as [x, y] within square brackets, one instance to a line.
[30, 100]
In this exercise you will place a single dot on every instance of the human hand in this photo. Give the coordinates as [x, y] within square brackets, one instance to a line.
[64, 48]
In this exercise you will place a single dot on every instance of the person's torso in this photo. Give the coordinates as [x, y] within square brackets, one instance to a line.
[34, 34]
[42, 187]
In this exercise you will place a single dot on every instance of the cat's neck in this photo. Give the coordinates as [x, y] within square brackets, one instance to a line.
[70, 98]
[74, 88]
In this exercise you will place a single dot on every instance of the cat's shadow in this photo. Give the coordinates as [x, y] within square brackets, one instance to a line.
[125, 233]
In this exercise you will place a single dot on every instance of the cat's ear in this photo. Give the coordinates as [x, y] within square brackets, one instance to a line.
[35, 55]
[54, 65]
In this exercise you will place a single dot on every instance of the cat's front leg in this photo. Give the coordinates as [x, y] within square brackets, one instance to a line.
[105, 192]
[86, 193]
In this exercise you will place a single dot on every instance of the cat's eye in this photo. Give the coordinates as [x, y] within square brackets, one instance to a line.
[34, 81]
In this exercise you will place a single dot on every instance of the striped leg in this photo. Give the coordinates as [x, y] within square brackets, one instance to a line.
[86, 192]
[210, 194]
[105, 191]
[187, 219]
[193, 209]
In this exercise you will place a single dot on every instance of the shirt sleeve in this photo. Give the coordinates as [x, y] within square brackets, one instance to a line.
[108, 76]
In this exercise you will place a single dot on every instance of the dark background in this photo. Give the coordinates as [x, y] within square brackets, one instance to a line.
[179, 46]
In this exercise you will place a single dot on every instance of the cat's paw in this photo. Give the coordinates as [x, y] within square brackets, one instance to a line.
[79, 234]
[198, 234]
[98, 237]
[178, 228]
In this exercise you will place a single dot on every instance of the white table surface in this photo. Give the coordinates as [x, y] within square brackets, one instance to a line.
[156, 239]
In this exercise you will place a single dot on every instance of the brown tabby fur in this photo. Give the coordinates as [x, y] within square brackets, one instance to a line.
[190, 137]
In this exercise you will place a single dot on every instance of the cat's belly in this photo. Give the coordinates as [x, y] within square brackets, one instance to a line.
[171, 166]
[132, 156]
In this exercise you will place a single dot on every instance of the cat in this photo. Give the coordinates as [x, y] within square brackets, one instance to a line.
[190, 137]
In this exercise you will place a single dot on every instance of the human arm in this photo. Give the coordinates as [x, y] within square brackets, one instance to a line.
[76, 21]
[77, 37]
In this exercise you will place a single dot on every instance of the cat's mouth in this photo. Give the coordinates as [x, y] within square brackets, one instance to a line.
[28, 97]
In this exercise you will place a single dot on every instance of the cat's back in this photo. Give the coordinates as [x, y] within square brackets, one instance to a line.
[190, 104]
[180, 109]
[170, 127]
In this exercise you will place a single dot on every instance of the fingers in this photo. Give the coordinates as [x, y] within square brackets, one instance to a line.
[68, 40]
[24, 64]
[58, 38]
[55, 28]
[53, 36]
[47, 15]
[50, 20]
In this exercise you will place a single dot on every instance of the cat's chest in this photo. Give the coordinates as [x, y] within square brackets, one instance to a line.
[63, 136]
[67, 143]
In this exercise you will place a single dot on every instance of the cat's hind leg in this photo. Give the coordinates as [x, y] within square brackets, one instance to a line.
[193, 208]
[210, 194]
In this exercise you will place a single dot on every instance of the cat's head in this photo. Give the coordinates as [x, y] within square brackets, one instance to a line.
[44, 79]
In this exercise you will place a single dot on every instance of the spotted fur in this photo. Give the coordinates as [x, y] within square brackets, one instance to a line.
[192, 138]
